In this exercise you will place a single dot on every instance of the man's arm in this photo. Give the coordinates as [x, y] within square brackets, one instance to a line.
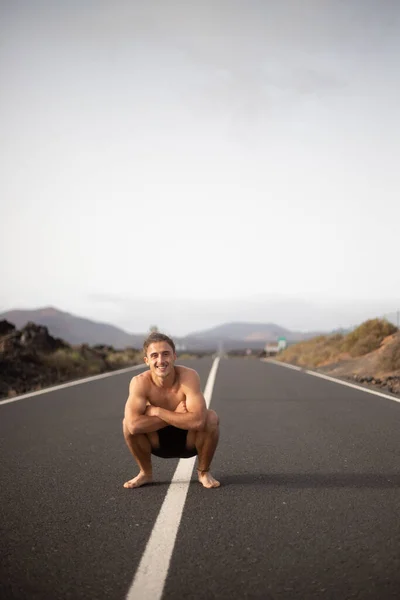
[135, 408]
[195, 417]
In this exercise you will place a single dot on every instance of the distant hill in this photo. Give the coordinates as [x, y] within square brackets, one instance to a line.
[251, 332]
[74, 329]
[79, 330]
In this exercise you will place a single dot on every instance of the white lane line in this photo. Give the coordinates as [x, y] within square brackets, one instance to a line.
[352, 385]
[151, 574]
[281, 364]
[71, 384]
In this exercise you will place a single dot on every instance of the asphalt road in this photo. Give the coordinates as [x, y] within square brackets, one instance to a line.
[308, 508]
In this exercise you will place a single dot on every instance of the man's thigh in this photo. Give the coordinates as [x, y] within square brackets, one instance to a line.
[191, 440]
[191, 436]
[154, 439]
[211, 423]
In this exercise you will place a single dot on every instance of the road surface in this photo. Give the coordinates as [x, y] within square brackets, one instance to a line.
[309, 505]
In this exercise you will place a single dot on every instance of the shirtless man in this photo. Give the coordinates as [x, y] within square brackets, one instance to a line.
[166, 414]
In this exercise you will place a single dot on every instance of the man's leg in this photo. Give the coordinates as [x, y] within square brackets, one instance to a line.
[206, 442]
[140, 446]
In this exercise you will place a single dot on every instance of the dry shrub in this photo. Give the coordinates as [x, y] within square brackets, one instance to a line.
[365, 345]
[68, 362]
[62, 360]
[83, 361]
[390, 357]
[124, 358]
[368, 337]
[327, 349]
[94, 369]
[314, 352]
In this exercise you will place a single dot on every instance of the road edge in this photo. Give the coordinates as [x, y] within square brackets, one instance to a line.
[333, 379]
[72, 383]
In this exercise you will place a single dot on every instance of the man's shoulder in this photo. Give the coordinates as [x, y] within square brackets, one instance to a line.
[140, 382]
[187, 375]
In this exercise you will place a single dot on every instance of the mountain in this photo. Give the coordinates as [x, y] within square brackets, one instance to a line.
[74, 329]
[251, 332]
[77, 330]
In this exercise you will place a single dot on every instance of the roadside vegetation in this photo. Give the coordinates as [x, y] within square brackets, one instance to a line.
[81, 361]
[31, 359]
[324, 350]
[390, 357]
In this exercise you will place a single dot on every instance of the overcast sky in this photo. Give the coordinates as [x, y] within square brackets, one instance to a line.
[189, 163]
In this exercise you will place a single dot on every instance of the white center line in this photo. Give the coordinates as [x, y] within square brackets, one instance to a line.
[151, 574]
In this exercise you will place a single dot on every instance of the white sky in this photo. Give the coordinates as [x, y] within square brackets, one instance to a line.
[190, 163]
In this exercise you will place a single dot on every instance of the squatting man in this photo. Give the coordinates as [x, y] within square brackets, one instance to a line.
[166, 414]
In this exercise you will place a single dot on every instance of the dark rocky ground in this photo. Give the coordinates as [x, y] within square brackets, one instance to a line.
[391, 383]
[31, 359]
[378, 369]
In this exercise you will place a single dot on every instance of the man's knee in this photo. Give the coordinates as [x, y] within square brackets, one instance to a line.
[212, 422]
[128, 428]
[125, 428]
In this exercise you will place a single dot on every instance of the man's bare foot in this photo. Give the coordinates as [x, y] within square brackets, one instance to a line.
[139, 480]
[207, 480]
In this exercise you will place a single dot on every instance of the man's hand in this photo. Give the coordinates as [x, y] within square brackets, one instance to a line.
[151, 411]
[181, 408]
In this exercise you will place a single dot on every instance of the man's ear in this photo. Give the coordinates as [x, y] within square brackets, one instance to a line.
[146, 360]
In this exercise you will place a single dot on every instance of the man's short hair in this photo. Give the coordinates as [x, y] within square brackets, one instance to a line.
[155, 336]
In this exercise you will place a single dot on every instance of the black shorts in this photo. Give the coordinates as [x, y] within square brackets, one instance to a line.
[173, 443]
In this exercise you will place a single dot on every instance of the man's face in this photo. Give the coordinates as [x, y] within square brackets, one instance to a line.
[160, 358]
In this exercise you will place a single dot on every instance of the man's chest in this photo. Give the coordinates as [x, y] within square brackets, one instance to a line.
[166, 399]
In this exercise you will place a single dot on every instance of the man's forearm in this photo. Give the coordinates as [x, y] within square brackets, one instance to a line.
[146, 424]
[185, 420]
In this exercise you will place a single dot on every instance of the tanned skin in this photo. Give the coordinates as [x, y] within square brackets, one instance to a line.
[168, 395]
